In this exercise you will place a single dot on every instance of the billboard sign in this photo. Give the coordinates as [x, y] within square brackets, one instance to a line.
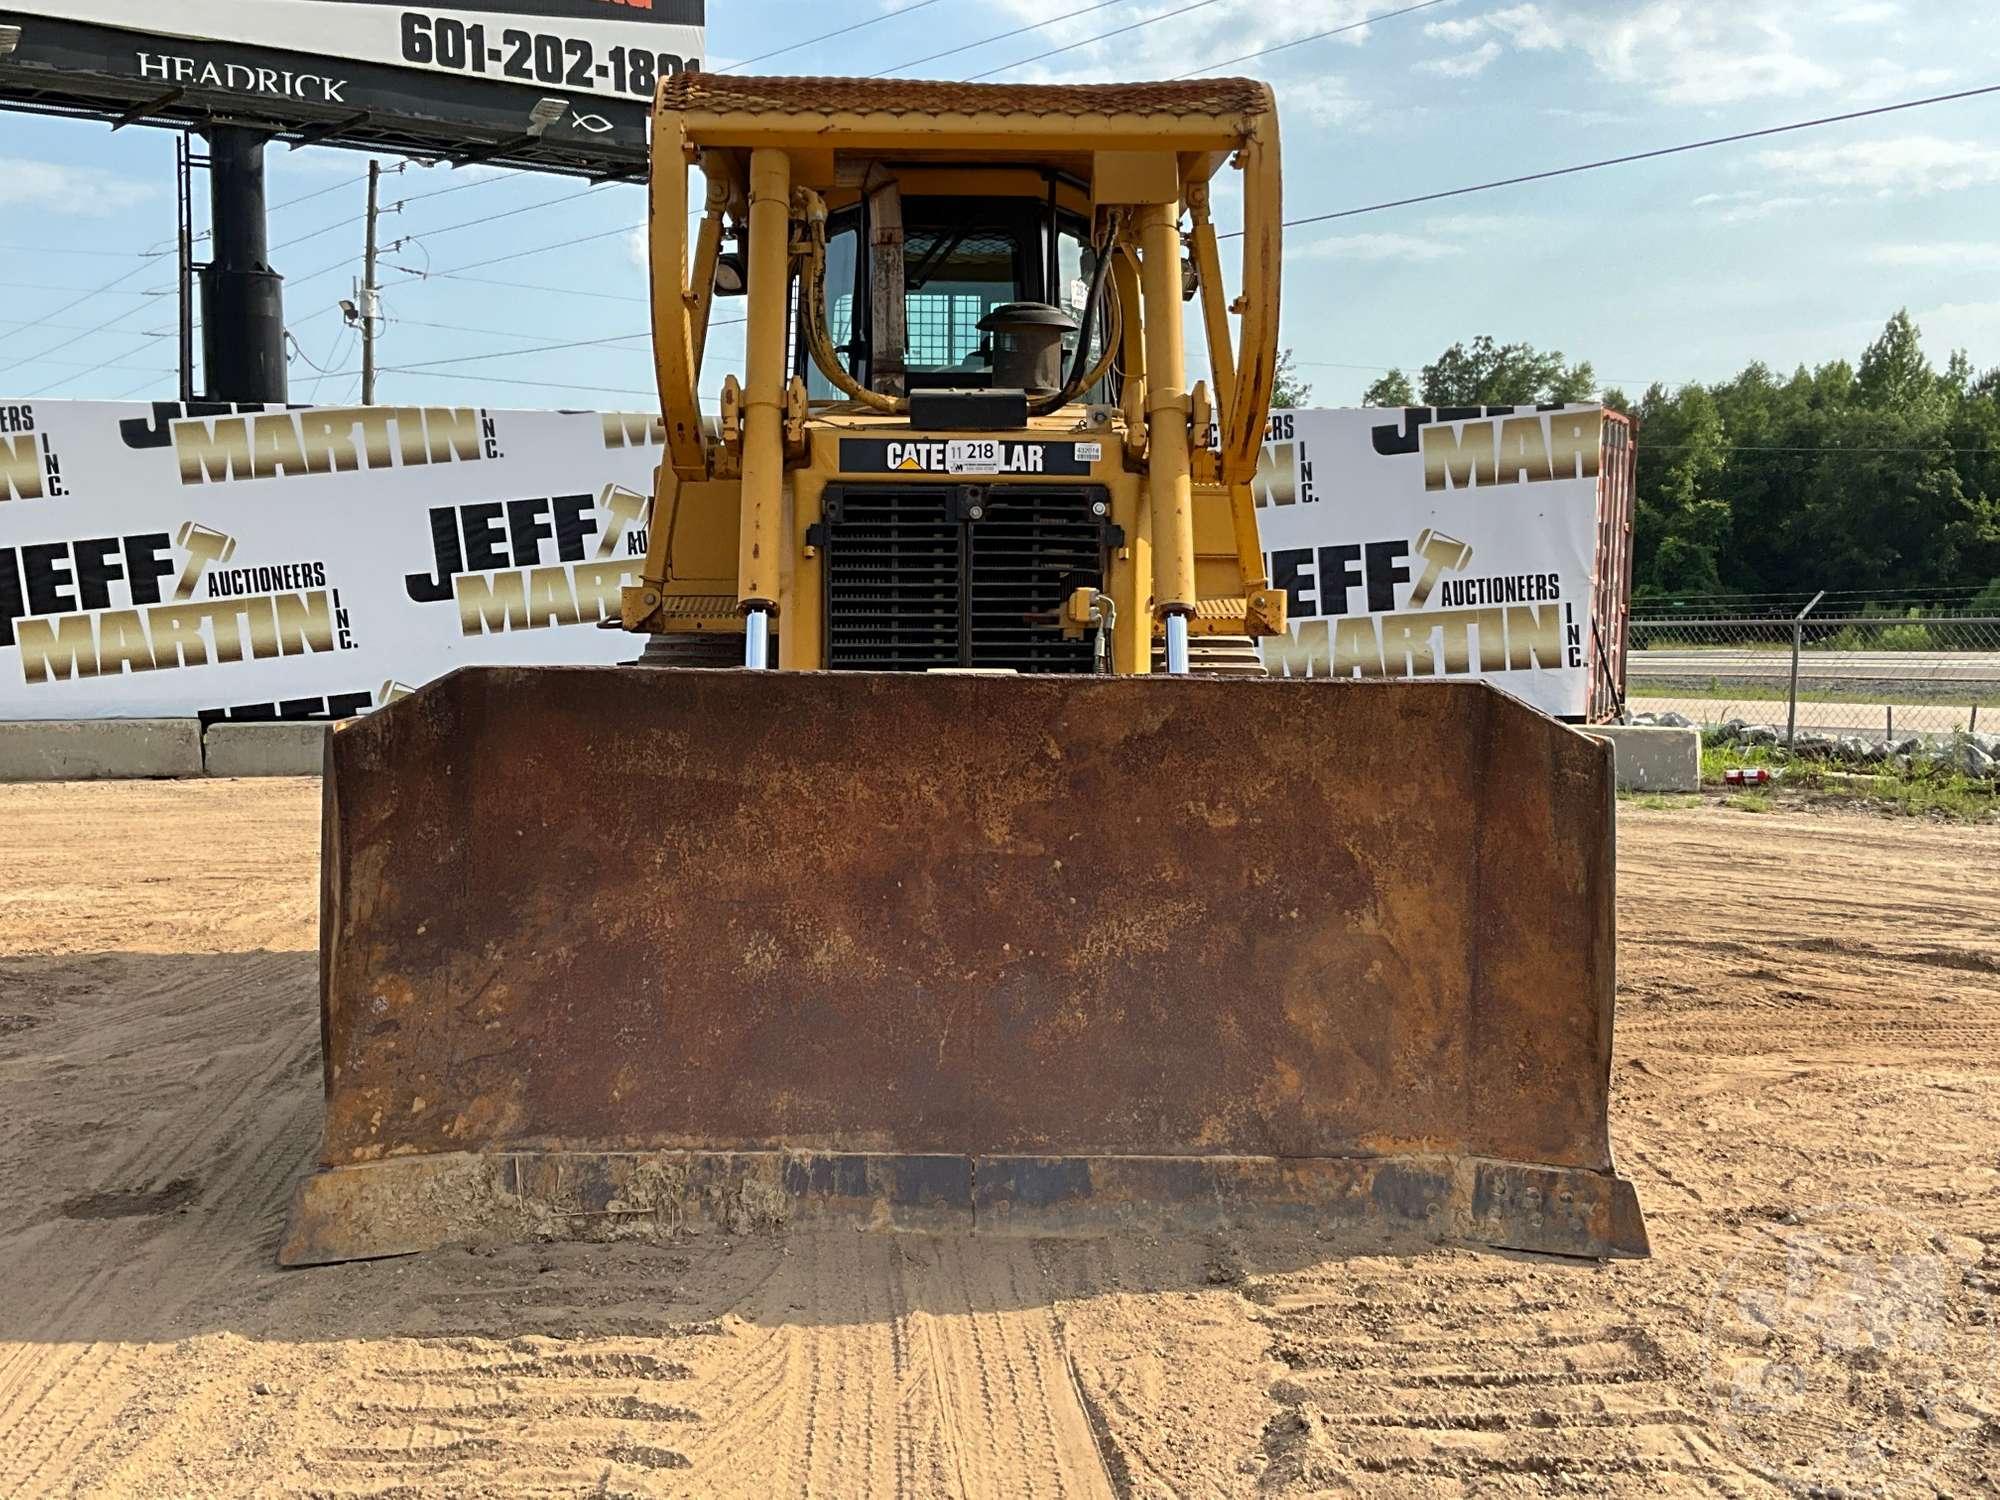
[1452, 542]
[461, 82]
[271, 562]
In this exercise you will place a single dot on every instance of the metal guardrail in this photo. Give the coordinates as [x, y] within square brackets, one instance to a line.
[1883, 679]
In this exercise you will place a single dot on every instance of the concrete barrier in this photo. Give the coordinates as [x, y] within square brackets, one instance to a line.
[1653, 757]
[278, 749]
[99, 749]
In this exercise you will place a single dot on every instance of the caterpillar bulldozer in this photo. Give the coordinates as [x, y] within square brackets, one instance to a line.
[945, 861]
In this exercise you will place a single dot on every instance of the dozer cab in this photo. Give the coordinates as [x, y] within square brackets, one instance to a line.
[987, 884]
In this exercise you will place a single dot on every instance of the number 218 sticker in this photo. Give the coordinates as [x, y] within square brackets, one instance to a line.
[972, 456]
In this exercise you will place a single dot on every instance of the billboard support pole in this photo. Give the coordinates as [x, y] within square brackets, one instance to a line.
[242, 298]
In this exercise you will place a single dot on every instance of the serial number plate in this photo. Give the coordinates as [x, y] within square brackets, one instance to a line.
[568, 62]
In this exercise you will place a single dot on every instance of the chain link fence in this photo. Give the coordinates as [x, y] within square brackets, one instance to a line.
[1812, 680]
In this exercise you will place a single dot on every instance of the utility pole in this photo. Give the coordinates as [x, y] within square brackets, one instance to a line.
[370, 297]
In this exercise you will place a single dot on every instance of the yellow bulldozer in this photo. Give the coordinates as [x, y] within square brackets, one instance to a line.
[946, 862]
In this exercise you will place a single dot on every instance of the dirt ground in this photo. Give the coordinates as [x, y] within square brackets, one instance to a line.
[1805, 1093]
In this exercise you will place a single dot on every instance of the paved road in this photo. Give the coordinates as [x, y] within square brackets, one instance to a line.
[1858, 666]
[1870, 720]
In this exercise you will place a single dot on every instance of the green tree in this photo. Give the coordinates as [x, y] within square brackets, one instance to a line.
[1392, 389]
[1488, 373]
[1287, 389]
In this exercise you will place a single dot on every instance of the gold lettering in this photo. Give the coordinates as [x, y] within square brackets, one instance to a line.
[1277, 481]
[1524, 452]
[56, 650]
[177, 638]
[1405, 639]
[222, 452]
[122, 643]
[260, 617]
[1357, 647]
[1534, 636]
[375, 422]
[633, 429]
[550, 601]
[1302, 652]
[275, 446]
[1492, 628]
[453, 432]
[304, 622]
[228, 638]
[410, 434]
[1576, 443]
[487, 606]
[1455, 461]
[599, 588]
[327, 439]
[20, 468]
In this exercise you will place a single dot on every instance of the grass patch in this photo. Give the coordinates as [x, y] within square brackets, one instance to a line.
[1922, 790]
[1660, 801]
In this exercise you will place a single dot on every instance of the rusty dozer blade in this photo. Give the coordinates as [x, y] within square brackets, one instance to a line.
[609, 952]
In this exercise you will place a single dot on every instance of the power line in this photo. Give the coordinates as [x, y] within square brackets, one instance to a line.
[80, 337]
[67, 250]
[998, 36]
[322, 192]
[519, 286]
[1389, 15]
[519, 254]
[1165, 15]
[49, 286]
[824, 36]
[115, 281]
[1616, 161]
[505, 213]
[552, 385]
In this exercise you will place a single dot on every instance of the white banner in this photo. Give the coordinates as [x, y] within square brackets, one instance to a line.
[316, 561]
[1413, 547]
[262, 563]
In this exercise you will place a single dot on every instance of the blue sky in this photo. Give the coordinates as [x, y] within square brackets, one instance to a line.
[1791, 249]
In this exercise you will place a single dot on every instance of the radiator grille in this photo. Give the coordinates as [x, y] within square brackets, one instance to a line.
[913, 580]
[894, 559]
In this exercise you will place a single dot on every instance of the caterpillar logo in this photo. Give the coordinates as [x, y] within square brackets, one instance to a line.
[530, 564]
[259, 444]
[29, 468]
[151, 601]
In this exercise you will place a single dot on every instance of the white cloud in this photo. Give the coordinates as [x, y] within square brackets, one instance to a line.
[1456, 31]
[638, 249]
[1466, 65]
[1897, 166]
[1405, 247]
[1529, 28]
[1864, 12]
[1950, 255]
[1323, 101]
[58, 188]
[1691, 54]
[1751, 204]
